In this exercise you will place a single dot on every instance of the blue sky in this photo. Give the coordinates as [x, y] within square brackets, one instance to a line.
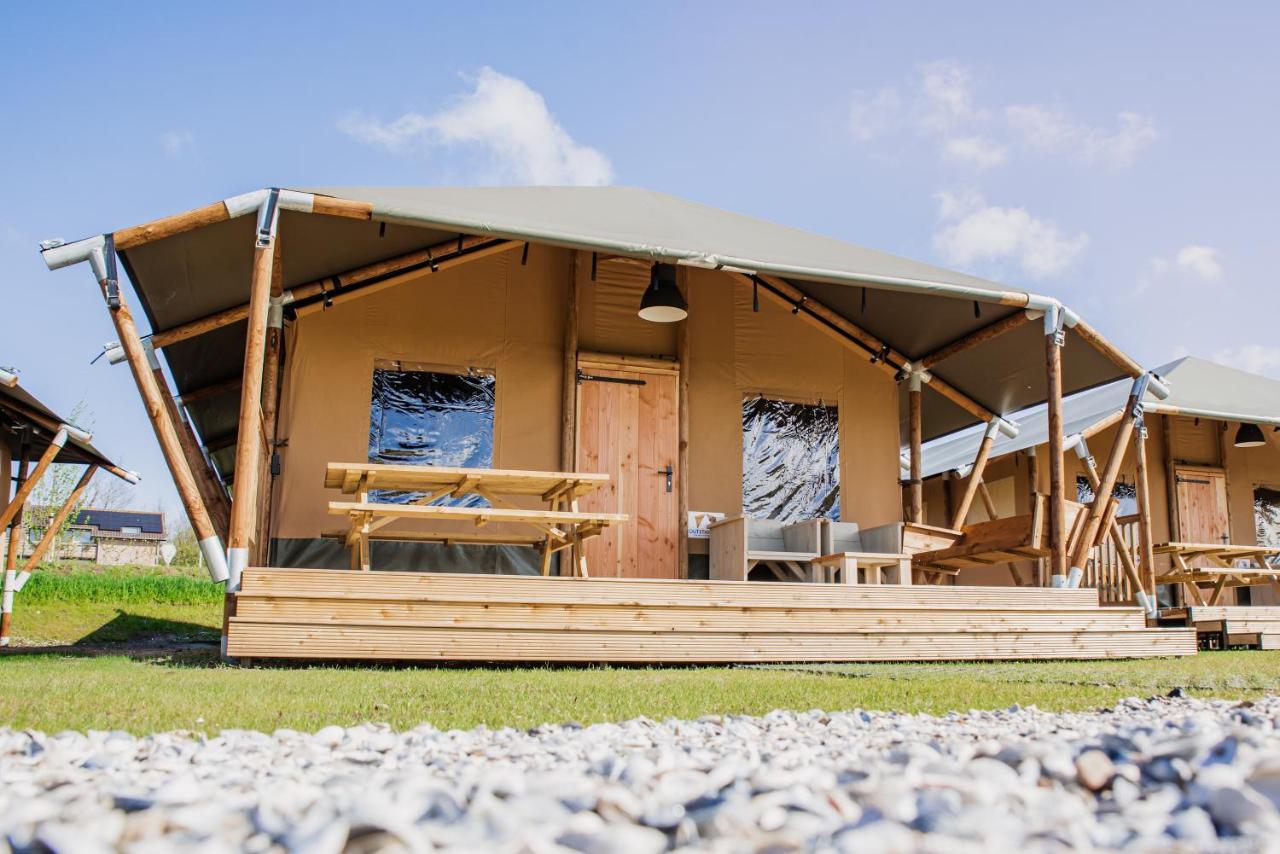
[1119, 156]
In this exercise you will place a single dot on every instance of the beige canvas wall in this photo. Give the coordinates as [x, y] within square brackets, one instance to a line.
[498, 315]
[494, 314]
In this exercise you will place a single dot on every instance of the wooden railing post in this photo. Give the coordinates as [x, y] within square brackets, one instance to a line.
[249, 439]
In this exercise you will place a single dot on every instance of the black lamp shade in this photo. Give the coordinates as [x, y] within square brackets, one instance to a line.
[1250, 436]
[662, 301]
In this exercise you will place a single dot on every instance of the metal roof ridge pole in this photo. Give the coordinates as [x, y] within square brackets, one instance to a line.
[13, 535]
[915, 485]
[1054, 339]
[100, 253]
[1107, 481]
[244, 492]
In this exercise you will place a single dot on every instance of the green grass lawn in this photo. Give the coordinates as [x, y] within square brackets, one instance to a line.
[192, 690]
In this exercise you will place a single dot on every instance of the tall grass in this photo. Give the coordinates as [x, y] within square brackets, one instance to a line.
[119, 587]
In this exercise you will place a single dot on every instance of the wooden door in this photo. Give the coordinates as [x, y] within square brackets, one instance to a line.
[1202, 505]
[628, 429]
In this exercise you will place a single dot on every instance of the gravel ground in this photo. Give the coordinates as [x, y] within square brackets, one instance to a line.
[1169, 773]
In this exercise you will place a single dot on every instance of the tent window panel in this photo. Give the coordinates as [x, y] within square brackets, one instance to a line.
[1266, 515]
[1125, 493]
[431, 418]
[790, 460]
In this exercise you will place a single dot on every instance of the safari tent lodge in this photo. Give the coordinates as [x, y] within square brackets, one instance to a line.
[601, 424]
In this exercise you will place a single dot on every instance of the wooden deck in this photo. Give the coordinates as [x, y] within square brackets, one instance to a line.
[1239, 625]
[333, 614]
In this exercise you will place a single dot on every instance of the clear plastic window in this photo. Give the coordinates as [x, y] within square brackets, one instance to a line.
[790, 460]
[431, 418]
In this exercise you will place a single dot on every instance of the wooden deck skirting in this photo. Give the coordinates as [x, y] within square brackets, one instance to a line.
[334, 614]
[1245, 625]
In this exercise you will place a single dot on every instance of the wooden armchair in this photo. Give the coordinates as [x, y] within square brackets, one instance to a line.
[854, 556]
[739, 544]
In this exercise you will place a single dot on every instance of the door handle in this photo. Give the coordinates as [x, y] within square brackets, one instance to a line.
[669, 473]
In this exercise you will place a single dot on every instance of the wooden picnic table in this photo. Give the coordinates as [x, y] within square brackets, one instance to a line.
[1229, 565]
[558, 527]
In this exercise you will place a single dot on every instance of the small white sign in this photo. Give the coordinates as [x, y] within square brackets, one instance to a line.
[700, 523]
[167, 552]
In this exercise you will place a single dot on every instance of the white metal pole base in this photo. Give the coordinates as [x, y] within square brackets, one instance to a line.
[214, 558]
[1058, 581]
[237, 562]
[1074, 577]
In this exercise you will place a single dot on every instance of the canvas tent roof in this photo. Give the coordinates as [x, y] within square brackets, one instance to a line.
[914, 307]
[19, 406]
[1197, 388]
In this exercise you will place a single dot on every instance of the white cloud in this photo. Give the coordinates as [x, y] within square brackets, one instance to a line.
[176, 144]
[946, 96]
[975, 151]
[973, 232]
[1255, 358]
[871, 115]
[505, 118]
[941, 105]
[1192, 264]
[1204, 262]
[1051, 130]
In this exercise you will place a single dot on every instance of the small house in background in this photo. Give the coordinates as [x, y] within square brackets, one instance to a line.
[108, 537]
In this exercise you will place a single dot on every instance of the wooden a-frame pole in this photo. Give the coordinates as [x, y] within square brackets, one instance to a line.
[1107, 480]
[158, 414]
[29, 481]
[272, 367]
[975, 476]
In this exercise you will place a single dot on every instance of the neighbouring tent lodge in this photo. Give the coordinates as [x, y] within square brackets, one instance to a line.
[33, 438]
[605, 424]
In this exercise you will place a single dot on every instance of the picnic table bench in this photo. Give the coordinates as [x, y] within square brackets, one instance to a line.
[558, 527]
[1228, 566]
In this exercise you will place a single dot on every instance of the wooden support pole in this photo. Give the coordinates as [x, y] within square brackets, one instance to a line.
[915, 486]
[210, 488]
[1106, 484]
[975, 477]
[974, 339]
[1057, 475]
[988, 503]
[1146, 542]
[244, 496]
[569, 398]
[166, 433]
[14, 540]
[1112, 529]
[272, 366]
[59, 518]
[206, 392]
[682, 419]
